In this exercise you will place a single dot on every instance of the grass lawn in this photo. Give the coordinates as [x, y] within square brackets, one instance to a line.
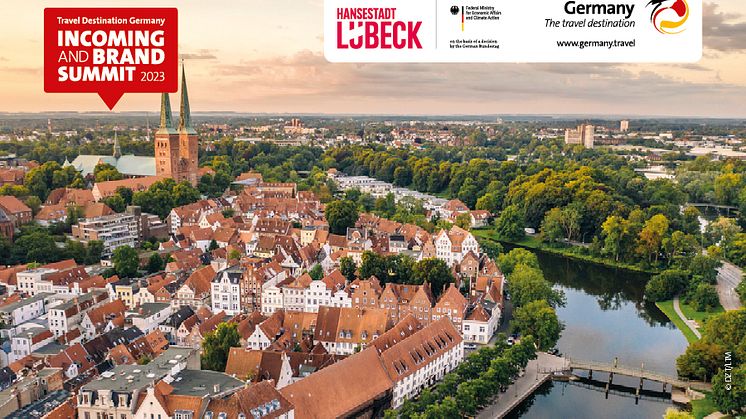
[667, 308]
[699, 316]
[702, 408]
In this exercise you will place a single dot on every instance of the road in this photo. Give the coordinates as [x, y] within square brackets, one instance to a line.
[729, 276]
[524, 386]
[690, 323]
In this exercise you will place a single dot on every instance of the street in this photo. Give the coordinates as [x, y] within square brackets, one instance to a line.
[729, 276]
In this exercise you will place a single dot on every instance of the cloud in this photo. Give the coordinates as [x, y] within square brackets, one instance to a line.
[200, 54]
[691, 66]
[306, 81]
[21, 70]
[720, 32]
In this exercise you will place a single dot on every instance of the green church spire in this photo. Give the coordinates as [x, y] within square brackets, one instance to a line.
[185, 117]
[117, 148]
[167, 126]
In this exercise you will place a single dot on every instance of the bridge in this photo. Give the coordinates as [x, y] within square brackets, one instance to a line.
[708, 205]
[641, 373]
[543, 369]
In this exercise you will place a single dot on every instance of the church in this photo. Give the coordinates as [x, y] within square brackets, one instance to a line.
[176, 148]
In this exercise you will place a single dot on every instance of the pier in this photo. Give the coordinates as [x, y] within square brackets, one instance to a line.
[541, 370]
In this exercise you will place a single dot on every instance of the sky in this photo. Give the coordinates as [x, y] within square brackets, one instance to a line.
[267, 57]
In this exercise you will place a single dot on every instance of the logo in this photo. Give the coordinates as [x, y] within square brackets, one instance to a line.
[671, 18]
[455, 11]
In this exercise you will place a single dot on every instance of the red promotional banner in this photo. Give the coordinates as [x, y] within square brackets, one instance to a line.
[110, 51]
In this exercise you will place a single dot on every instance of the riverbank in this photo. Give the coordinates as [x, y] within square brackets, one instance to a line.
[703, 407]
[568, 251]
[667, 308]
[690, 313]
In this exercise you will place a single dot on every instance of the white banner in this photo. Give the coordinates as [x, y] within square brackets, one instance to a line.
[512, 31]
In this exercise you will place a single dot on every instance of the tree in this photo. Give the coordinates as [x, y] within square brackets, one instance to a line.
[509, 225]
[651, 236]
[93, 251]
[125, 193]
[34, 203]
[466, 398]
[722, 232]
[340, 215]
[126, 261]
[116, 203]
[527, 284]
[316, 273]
[538, 319]
[551, 226]
[155, 263]
[729, 390]
[234, 254]
[348, 267]
[463, 220]
[35, 245]
[435, 272]
[616, 234]
[570, 218]
[74, 213]
[76, 250]
[104, 172]
[217, 344]
[515, 257]
[666, 285]
[700, 361]
[729, 331]
[400, 268]
[184, 193]
[213, 245]
[726, 187]
[705, 297]
[373, 264]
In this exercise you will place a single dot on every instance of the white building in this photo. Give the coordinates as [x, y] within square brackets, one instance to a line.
[26, 342]
[15, 314]
[317, 294]
[422, 359]
[225, 291]
[114, 231]
[66, 316]
[294, 293]
[451, 246]
[481, 323]
[148, 316]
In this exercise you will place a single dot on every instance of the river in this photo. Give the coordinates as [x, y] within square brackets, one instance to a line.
[605, 317]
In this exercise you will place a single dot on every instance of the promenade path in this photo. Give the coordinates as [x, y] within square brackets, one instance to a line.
[691, 324]
[524, 386]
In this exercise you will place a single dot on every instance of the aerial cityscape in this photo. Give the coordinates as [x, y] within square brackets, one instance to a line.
[181, 265]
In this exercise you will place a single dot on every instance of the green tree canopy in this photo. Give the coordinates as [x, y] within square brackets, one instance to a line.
[340, 215]
[538, 319]
[126, 261]
[435, 272]
[217, 344]
[527, 284]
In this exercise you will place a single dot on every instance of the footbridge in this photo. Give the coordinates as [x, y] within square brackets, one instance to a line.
[640, 372]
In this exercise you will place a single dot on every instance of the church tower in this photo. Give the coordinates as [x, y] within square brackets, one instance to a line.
[176, 150]
[188, 141]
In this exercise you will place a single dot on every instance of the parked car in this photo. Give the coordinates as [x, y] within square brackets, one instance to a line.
[470, 346]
